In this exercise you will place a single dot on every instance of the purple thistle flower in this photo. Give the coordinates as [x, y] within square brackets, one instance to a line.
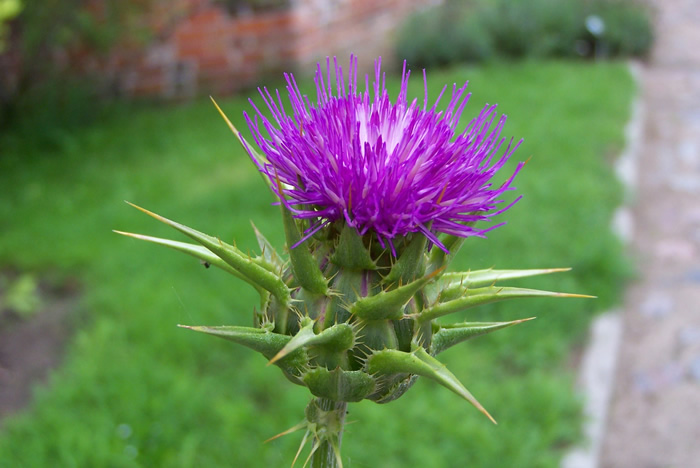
[388, 168]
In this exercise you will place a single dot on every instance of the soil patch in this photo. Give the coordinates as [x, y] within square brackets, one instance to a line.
[31, 344]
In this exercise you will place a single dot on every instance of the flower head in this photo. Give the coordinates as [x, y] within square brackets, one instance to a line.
[385, 167]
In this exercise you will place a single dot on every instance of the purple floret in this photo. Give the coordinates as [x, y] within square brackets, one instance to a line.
[388, 168]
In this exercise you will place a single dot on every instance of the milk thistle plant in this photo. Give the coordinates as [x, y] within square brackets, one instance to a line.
[376, 197]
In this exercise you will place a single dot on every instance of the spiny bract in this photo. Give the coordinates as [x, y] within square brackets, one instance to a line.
[376, 198]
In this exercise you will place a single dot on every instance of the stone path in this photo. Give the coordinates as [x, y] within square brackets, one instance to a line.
[654, 418]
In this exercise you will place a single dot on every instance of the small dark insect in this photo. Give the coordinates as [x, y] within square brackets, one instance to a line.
[205, 263]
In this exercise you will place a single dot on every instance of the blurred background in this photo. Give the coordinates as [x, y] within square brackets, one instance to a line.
[107, 100]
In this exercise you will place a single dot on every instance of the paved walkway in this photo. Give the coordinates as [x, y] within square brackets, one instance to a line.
[654, 418]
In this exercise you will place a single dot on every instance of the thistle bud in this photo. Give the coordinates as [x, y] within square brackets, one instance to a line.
[376, 198]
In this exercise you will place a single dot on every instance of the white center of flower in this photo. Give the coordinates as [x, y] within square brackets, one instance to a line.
[376, 120]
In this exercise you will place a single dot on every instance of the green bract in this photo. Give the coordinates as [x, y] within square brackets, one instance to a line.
[346, 318]
[351, 313]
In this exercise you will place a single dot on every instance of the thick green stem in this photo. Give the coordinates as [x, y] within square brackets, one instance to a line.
[328, 418]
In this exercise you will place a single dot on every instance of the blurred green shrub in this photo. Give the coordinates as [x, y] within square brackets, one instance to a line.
[628, 30]
[8, 10]
[477, 30]
[540, 28]
[43, 95]
[46, 113]
[20, 295]
[443, 35]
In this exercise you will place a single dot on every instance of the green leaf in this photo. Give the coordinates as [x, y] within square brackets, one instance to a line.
[438, 258]
[339, 384]
[339, 337]
[479, 296]
[377, 334]
[261, 340]
[351, 253]
[197, 251]
[389, 304]
[268, 252]
[304, 265]
[411, 263]
[246, 265]
[489, 276]
[419, 362]
[446, 336]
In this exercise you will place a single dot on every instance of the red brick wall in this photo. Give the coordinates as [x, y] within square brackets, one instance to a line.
[207, 50]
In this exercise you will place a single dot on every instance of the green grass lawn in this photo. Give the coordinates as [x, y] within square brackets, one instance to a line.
[135, 390]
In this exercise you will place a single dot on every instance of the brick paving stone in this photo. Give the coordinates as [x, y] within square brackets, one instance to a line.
[654, 418]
